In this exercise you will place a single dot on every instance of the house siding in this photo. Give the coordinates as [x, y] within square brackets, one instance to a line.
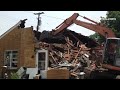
[21, 40]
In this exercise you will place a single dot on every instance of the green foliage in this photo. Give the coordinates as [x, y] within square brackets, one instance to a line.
[97, 37]
[14, 75]
[112, 21]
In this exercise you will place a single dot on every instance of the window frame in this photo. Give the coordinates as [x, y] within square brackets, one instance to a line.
[11, 57]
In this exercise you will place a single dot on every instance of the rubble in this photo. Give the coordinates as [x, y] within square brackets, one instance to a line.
[70, 50]
[60, 52]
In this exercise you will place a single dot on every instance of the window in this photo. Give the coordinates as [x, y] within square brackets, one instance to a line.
[41, 60]
[11, 59]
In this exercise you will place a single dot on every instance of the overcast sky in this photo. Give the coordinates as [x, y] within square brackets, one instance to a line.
[50, 19]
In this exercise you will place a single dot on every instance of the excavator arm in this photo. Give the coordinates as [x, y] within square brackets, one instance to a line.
[96, 27]
[65, 24]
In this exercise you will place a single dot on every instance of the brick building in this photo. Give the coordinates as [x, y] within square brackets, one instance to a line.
[17, 48]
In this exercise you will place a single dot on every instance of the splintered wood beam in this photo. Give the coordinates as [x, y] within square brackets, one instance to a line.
[75, 60]
[53, 57]
[69, 42]
[74, 37]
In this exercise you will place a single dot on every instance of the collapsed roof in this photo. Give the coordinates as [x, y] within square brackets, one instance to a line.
[47, 37]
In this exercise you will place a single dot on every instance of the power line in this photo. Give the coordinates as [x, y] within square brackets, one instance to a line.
[7, 19]
[53, 17]
[47, 16]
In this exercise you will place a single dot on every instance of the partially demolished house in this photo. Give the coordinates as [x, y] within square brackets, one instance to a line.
[17, 48]
[39, 51]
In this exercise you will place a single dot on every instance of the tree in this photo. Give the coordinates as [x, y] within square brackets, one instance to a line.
[112, 21]
[97, 37]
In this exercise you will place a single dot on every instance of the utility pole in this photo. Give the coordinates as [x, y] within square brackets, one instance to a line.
[39, 19]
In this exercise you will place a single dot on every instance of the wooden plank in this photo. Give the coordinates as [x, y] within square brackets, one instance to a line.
[58, 74]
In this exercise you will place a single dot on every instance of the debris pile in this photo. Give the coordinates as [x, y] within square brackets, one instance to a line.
[69, 50]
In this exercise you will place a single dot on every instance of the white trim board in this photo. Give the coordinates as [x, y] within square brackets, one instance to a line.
[16, 25]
